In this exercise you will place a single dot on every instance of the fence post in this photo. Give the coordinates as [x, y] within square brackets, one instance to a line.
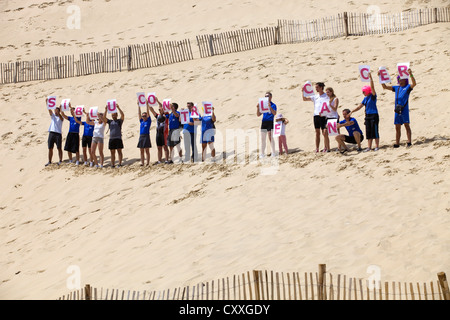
[444, 285]
[211, 48]
[346, 23]
[322, 271]
[435, 15]
[129, 58]
[277, 33]
[87, 292]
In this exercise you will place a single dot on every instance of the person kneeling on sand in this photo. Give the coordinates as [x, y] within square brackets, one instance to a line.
[355, 134]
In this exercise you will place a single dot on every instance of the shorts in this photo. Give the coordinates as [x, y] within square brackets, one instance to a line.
[144, 141]
[160, 140]
[174, 137]
[371, 121]
[97, 140]
[54, 137]
[402, 118]
[86, 141]
[267, 125]
[352, 139]
[320, 122]
[115, 144]
[208, 136]
[72, 142]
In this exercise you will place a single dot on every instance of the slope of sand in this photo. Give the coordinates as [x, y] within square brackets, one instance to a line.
[164, 227]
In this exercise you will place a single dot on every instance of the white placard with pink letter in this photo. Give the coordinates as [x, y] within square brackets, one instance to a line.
[79, 110]
[184, 116]
[277, 128]
[264, 105]
[194, 112]
[51, 102]
[166, 106]
[325, 108]
[93, 113]
[65, 105]
[384, 75]
[332, 127]
[151, 99]
[141, 99]
[308, 90]
[403, 70]
[207, 108]
[364, 71]
[111, 106]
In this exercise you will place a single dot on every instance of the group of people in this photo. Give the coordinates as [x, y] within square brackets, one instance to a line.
[169, 131]
[355, 135]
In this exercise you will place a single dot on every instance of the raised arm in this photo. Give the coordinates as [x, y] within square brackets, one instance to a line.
[122, 115]
[258, 113]
[75, 118]
[372, 86]
[104, 118]
[413, 80]
[63, 114]
[385, 87]
[139, 111]
[213, 115]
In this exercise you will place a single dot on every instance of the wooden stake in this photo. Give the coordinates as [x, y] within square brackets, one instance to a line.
[444, 285]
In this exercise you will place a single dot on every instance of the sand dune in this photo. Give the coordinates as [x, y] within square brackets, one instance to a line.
[163, 227]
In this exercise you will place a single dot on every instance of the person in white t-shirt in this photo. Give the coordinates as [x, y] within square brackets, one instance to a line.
[98, 138]
[320, 122]
[55, 134]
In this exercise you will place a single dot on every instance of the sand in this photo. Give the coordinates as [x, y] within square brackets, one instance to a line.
[164, 227]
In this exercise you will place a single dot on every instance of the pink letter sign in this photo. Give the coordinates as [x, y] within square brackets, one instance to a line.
[277, 129]
[111, 105]
[364, 73]
[325, 109]
[79, 111]
[264, 105]
[384, 75]
[93, 113]
[151, 98]
[65, 105]
[403, 70]
[166, 106]
[308, 90]
[194, 112]
[141, 99]
[184, 116]
[332, 127]
[51, 103]
[207, 108]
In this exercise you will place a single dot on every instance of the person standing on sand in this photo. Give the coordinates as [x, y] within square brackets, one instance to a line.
[208, 132]
[98, 138]
[72, 144]
[282, 142]
[267, 126]
[402, 92]
[320, 123]
[144, 143]
[355, 134]
[174, 132]
[372, 119]
[161, 138]
[86, 140]
[189, 135]
[55, 134]
[115, 135]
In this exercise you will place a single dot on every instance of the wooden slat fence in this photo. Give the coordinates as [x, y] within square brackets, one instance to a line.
[236, 41]
[270, 285]
[155, 54]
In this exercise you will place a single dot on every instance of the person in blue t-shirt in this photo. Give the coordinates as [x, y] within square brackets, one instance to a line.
[86, 140]
[72, 144]
[207, 136]
[402, 92]
[189, 135]
[372, 119]
[144, 143]
[267, 125]
[355, 135]
[174, 137]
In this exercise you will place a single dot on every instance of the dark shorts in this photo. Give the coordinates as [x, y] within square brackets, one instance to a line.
[372, 121]
[267, 125]
[174, 137]
[208, 136]
[115, 144]
[144, 141]
[86, 141]
[160, 141]
[54, 137]
[72, 142]
[320, 122]
[352, 139]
